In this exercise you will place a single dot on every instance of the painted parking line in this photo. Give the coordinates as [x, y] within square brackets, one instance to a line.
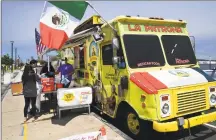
[210, 125]
[25, 131]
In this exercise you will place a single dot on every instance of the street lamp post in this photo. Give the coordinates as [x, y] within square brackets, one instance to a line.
[15, 62]
[12, 55]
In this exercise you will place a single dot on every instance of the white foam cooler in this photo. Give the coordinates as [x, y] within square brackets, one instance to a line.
[74, 96]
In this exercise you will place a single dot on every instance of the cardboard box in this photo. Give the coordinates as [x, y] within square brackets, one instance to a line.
[17, 88]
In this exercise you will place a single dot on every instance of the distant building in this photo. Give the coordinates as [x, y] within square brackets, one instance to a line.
[204, 61]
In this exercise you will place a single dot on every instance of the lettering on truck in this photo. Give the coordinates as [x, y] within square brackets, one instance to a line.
[180, 61]
[149, 28]
[148, 63]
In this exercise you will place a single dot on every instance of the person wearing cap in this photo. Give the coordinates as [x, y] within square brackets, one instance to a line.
[45, 71]
[66, 71]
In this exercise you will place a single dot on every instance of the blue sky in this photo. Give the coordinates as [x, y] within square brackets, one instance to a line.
[20, 18]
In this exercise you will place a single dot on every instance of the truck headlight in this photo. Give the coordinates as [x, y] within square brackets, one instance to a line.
[212, 96]
[165, 106]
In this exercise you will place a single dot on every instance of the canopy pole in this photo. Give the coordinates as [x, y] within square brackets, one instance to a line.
[48, 63]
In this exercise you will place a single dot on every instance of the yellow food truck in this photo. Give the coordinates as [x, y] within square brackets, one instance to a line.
[143, 72]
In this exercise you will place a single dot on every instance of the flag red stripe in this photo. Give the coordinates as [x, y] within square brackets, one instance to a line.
[52, 38]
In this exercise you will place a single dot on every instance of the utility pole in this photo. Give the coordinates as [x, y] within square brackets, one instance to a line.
[15, 58]
[18, 63]
[12, 55]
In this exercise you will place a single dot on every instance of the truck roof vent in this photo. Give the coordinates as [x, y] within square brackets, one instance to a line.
[128, 16]
[156, 18]
[180, 20]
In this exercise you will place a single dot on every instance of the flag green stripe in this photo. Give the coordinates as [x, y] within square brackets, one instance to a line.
[74, 8]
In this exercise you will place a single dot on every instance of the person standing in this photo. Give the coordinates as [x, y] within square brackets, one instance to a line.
[66, 71]
[45, 70]
[29, 90]
[33, 64]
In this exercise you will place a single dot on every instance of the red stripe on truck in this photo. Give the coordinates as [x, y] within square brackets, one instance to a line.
[147, 82]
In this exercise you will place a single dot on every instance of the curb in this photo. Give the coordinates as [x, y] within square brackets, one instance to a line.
[8, 87]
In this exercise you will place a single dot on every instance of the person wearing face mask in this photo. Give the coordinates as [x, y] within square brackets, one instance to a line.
[29, 90]
[66, 71]
[45, 71]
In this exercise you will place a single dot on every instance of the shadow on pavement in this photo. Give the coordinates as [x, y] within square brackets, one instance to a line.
[67, 116]
[197, 133]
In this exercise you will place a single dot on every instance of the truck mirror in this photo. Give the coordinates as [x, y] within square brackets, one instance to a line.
[192, 39]
[115, 43]
[124, 82]
[115, 60]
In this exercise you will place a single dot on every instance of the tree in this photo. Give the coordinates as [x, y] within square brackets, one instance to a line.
[6, 60]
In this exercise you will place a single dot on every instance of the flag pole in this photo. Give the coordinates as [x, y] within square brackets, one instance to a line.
[101, 16]
[43, 9]
[36, 42]
[48, 63]
[42, 13]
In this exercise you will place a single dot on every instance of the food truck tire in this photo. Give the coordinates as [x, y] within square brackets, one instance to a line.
[132, 124]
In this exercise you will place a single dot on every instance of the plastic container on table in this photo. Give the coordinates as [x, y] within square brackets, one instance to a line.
[59, 85]
[48, 84]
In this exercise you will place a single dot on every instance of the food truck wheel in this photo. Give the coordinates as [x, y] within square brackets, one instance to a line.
[132, 123]
[135, 127]
[128, 120]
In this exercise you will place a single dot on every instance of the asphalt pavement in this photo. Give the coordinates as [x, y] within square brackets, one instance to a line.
[201, 132]
[196, 133]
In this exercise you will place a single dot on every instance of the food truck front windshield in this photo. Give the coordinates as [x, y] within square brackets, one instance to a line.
[145, 51]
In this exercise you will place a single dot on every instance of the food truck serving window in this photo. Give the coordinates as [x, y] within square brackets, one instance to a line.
[178, 50]
[143, 51]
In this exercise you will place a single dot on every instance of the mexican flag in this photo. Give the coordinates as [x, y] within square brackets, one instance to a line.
[59, 20]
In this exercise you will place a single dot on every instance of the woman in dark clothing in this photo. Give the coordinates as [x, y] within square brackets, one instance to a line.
[51, 73]
[29, 90]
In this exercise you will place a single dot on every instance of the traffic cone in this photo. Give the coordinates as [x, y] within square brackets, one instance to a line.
[103, 133]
